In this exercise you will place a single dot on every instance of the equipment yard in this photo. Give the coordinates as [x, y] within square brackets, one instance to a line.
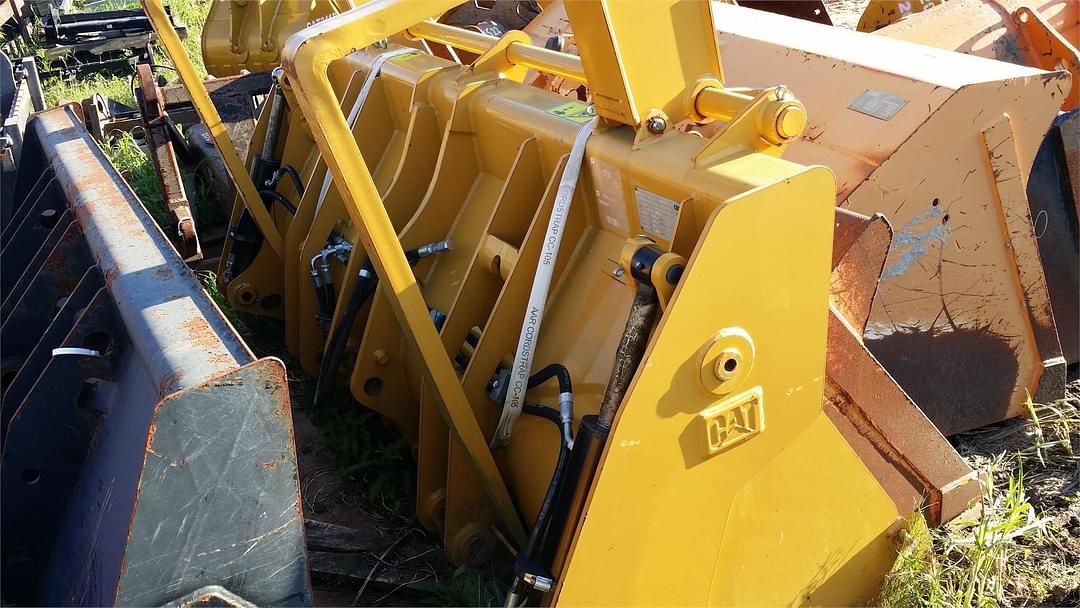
[536, 303]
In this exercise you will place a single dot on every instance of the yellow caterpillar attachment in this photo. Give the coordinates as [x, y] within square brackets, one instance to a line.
[248, 34]
[617, 346]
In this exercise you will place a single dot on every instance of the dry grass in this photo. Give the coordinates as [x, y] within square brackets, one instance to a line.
[1023, 547]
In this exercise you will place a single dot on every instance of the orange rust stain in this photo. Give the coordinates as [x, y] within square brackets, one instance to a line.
[199, 333]
[271, 463]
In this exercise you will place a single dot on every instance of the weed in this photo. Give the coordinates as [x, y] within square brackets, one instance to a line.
[964, 564]
[1009, 553]
[466, 587]
[139, 172]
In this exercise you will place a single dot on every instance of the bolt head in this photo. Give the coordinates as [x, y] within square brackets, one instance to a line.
[790, 122]
[49, 217]
[656, 125]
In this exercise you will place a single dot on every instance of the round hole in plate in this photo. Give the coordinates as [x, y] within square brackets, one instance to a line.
[730, 365]
[372, 386]
[98, 340]
[31, 476]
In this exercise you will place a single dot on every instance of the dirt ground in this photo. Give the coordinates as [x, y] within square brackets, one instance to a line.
[1044, 568]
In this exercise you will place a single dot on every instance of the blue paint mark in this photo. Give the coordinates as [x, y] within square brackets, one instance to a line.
[911, 243]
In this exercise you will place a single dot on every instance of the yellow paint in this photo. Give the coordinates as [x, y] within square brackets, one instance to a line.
[704, 455]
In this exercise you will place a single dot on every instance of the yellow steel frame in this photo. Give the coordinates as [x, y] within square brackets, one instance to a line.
[306, 59]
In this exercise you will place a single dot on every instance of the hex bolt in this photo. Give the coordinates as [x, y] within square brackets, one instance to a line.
[656, 125]
[382, 358]
[48, 218]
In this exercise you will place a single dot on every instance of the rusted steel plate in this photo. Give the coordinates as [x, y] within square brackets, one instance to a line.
[897, 442]
[860, 244]
[909, 457]
[136, 422]
[158, 140]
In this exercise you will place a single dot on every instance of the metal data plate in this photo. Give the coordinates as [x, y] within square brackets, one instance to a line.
[879, 104]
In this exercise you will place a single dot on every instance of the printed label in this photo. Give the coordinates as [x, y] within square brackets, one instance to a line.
[607, 186]
[403, 56]
[576, 111]
[656, 214]
[878, 104]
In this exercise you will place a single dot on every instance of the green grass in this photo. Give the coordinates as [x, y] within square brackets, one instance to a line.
[466, 587]
[133, 164]
[966, 563]
[118, 87]
[1007, 553]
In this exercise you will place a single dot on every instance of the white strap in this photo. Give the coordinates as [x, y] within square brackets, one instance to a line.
[534, 312]
[72, 350]
[376, 67]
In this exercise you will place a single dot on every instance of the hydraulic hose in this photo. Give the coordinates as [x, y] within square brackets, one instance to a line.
[286, 169]
[566, 397]
[631, 349]
[527, 559]
[570, 499]
[269, 196]
[366, 280]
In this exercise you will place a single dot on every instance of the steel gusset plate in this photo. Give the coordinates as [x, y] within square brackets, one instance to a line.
[899, 445]
[147, 454]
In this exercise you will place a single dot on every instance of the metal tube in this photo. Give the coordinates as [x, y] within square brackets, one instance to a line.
[714, 102]
[719, 103]
[630, 352]
[527, 55]
[570, 499]
[273, 125]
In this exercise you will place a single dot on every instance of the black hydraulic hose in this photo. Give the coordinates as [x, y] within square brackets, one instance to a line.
[287, 169]
[542, 411]
[555, 370]
[543, 518]
[271, 195]
[366, 280]
[631, 349]
[527, 558]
